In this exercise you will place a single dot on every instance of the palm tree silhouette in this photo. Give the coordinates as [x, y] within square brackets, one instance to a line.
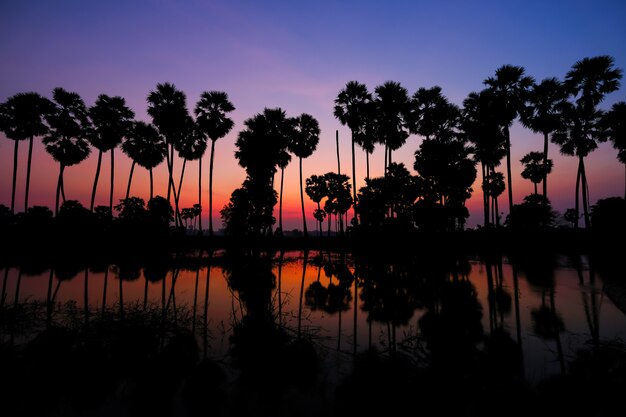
[67, 138]
[430, 114]
[302, 144]
[168, 108]
[22, 117]
[615, 124]
[111, 121]
[542, 114]
[536, 167]
[510, 89]
[392, 108]
[589, 80]
[283, 160]
[316, 190]
[350, 109]
[146, 147]
[211, 117]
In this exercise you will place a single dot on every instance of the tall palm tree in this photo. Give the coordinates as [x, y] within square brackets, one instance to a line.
[302, 144]
[22, 117]
[615, 125]
[536, 167]
[542, 114]
[391, 114]
[111, 120]
[510, 89]
[211, 117]
[66, 140]
[168, 108]
[283, 160]
[588, 82]
[350, 109]
[146, 147]
[431, 114]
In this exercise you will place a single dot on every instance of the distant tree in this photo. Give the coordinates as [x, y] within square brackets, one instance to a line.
[22, 117]
[580, 129]
[317, 190]
[302, 144]
[66, 140]
[534, 213]
[614, 125]
[510, 89]
[339, 198]
[211, 115]
[536, 167]
[131, 210]
[112, 121]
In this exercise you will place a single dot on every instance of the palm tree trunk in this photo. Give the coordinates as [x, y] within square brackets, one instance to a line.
[59, 184]
[112, 179]
[200, 195]
[338, 160]
[306, 233]
[28, 165]
[95, 181]
[545, 163]
[367, 165]
[211, 189]
[130, 178]
[509, 176]
[577, 206]
[585, 192]
[145, 294]
[485, 196]
[280, 202]
[180, 183]
[151, 184]
[15, 147]
[535, 184]
[385, 166]
[170, 163]
[354, 182]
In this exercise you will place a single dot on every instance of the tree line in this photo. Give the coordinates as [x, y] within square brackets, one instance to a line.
[459, 143]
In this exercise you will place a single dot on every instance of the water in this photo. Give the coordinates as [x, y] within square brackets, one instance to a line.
[433, 313]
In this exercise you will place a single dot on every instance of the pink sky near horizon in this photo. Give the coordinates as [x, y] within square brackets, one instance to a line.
[297, 58]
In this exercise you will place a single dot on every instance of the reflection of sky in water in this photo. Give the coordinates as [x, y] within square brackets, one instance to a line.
[333, 329]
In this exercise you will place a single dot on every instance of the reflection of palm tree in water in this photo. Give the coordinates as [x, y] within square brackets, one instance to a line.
[589, 294]
[548, 324]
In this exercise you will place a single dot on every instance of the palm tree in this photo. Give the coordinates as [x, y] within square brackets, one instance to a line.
[283, 160]
[430, 114]
[391, 114]
[536, 167]
[615, 125]
[22, 117]
[316, 189]
[542, 114]
[168, 108]
[146, 147]
[510, 89]
[111, 121]
[350, 108]
[302, 144]
[212, 120]
[589, 80]
[67, 138]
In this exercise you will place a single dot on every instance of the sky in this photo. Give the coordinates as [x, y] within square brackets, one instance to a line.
[295, 55]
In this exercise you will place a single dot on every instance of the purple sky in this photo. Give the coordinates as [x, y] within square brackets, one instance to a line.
[296, 55]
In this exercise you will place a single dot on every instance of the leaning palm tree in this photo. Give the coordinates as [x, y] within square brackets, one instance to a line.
[211, 117]
[146, 147]
[536, 167]
[542, 114]
[350, 108]
[111, 121]
[614, 123]
[588, 82]
[302, 144]
[510, 88]
[22, 117]
[66, 140]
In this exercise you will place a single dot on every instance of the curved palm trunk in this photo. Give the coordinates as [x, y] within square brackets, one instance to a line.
[28, 165]
[338, 160]
[585, 192]
[130, 178]
[280, 203]
[545, 163]
[211, 189]
[15, 148]
[509, 177]
[151, 184]
[354, 182]
[180, 184]
[59, 186]
[95, 181]
[306, 233]
[112, 179]
[576, 204]
[200, 195]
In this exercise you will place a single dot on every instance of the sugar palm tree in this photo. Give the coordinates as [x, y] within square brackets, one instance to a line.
[350, 109]
[146, 147]
[542, 114]
[580, 130]
[211, 117]
[283, 160]
[66, 140]
[391, 114]
[22, 117]
[536, 167]
[615, 125]
[111, 120]
[430, 114]
[510, 88]
[302, 144]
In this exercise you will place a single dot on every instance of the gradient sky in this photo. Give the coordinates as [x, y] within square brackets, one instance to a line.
[295, 55]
